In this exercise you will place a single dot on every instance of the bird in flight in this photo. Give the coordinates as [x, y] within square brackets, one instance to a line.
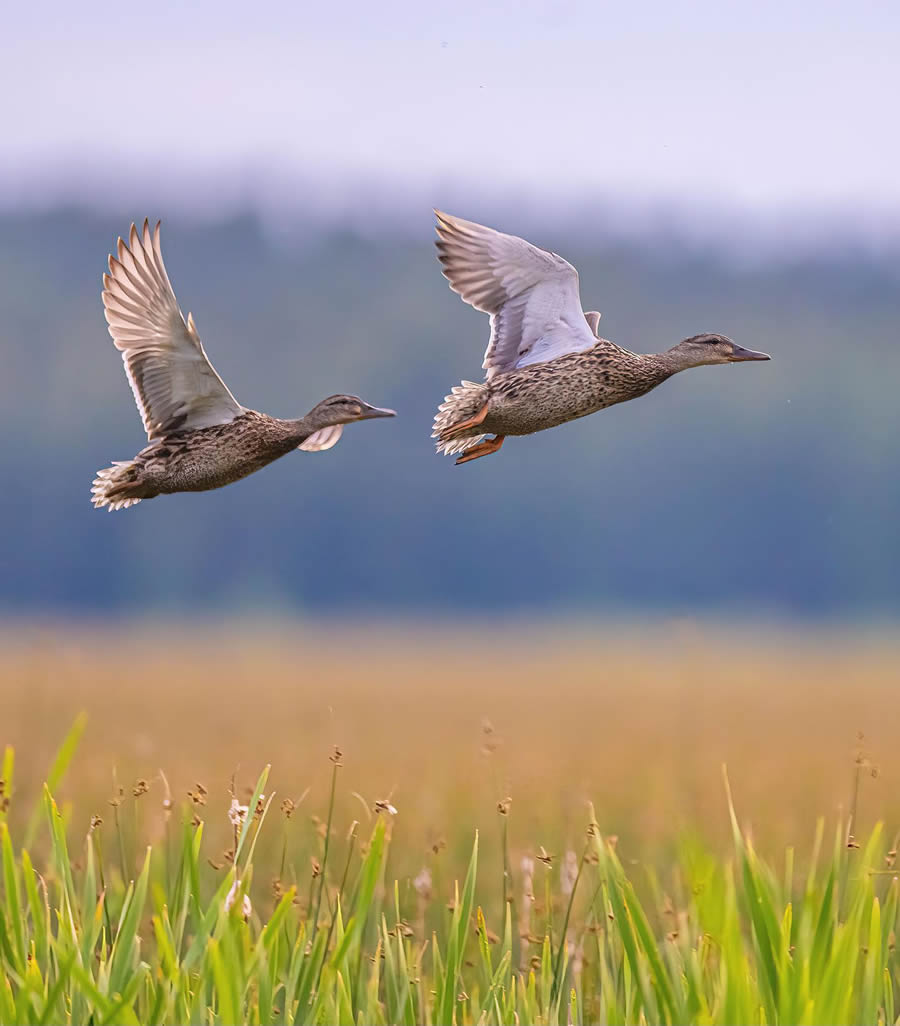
[545, 363]
[200, 436]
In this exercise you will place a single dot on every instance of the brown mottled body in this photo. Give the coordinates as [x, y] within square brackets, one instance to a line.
[526, 400]
[196, 461]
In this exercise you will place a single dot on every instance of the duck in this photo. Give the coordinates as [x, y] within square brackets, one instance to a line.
[200, 437]
[546, 363]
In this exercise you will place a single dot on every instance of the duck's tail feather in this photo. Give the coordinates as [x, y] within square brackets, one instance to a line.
[464, 402]
[118, 486]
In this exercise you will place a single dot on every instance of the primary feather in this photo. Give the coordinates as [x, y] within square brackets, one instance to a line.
[531, 294]
[175, 386]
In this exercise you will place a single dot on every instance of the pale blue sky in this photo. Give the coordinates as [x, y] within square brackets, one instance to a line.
[764, 108]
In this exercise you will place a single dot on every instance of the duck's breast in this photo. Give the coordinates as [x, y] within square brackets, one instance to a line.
[544, 395]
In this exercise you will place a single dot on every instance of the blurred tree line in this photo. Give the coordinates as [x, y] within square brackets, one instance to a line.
[769, 488]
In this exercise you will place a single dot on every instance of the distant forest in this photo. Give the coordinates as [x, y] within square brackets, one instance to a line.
[765, 489]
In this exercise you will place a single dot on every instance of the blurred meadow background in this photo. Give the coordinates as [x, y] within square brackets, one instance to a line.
[606, 612]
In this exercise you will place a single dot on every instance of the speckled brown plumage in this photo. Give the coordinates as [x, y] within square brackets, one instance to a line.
[197, 461]
[541, 396]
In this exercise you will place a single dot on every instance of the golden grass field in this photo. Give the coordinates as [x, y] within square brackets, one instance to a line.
[638, 720]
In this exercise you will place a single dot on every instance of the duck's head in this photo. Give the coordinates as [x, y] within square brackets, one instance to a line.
[344, 409]
[699, 350]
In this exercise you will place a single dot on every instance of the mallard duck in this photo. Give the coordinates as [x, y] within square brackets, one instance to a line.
[200, 436]
[546, 362]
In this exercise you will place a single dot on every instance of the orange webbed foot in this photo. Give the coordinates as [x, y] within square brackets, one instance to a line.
[484, 448]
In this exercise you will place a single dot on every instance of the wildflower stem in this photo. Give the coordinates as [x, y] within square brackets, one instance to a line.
[167, 816]
[851, 824]
[168, 857]
[347, 863]
[284, 839]
[103, 887]
[334, 911]
[505, 834]
[122, 858]
[309, 896]
[315, 924]
[557, 982]
[509, 898]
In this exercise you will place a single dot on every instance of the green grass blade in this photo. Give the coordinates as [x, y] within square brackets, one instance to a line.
[459, 932]
[97, 1002]
[251, 814]
[121, 1010]
[61, 854]
[484, 947]
[53, 1007]
[224, 993]
[371, 869]
[57, 772]
[888, 985]
[7, 1001]
[38, 910]
[125, 945]
[871, 986]
[658, 975]
[6, 776]
[14, 917]
[208, 920]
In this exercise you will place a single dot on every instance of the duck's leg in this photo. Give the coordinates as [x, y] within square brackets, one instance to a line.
[484, 448]
[455, 430]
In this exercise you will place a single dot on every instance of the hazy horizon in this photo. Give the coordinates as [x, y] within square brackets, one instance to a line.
[763, 126]
[382, 213]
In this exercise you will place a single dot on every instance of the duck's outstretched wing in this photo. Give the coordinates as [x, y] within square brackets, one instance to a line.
[175, 386]
[530, 293]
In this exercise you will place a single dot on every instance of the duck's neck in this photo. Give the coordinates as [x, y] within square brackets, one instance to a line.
[293, 432]
[660, 366]
[299, 430]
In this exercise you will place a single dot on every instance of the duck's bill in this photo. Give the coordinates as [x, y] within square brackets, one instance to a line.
[739, 355]
[370, 412]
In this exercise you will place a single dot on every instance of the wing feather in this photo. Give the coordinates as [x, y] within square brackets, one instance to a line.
[531, 294]
[322, 439]
[175, 386]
